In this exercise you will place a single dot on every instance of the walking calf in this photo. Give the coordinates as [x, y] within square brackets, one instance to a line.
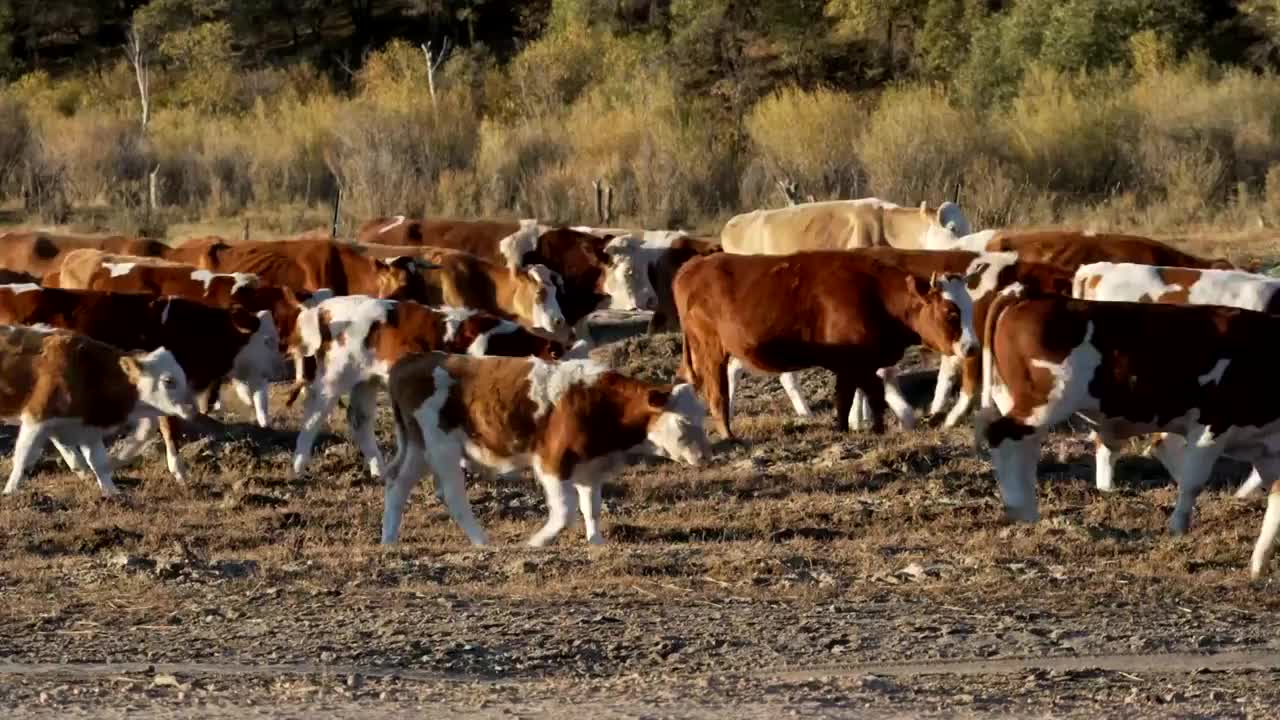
[73, 390]
[573, 422]
[1111, 362]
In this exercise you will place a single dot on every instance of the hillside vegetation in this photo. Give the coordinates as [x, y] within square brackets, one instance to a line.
[1159, 114]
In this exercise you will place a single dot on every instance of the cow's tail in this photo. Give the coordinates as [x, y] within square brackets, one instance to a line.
[1001, 303]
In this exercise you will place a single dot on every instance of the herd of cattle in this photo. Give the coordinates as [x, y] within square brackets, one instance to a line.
[478, 331]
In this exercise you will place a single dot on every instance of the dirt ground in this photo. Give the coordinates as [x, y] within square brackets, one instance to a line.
[802, 573]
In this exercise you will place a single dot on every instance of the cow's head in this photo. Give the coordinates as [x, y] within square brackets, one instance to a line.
[945, 319]
[401, 277]
[519, 243]
[161, 384]
[675, 429]
[945, 227]
[626, 280]
[259, 358]
[536, 301]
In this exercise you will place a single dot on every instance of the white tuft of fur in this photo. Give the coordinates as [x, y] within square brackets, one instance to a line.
[519, 243]
[548, 382]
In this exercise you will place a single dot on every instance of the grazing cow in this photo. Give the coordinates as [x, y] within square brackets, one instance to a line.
[1069, 249]
[578, 258]
[309, 265]
[356, 339]
[527, 295]
[73, 390]
[573, 422]
[209, 343]
[95, 270]
[846, 312]
[1110, 362]
[39, 253]
[1128, 282]
[843, 225]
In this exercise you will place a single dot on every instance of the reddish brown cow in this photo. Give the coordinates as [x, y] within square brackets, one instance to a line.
[38, 253]
[577, 257]
[845, 312]
[209, 343]
[1069, 249]
[308, 265]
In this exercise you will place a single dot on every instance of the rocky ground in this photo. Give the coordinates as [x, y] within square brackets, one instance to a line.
[803, 573]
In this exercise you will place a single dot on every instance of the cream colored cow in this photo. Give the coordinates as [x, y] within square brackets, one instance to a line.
[844, 224]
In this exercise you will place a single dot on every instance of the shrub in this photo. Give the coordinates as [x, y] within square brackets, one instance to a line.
[810, 137]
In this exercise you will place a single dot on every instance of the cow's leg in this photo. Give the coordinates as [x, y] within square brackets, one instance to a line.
[255, 396]
[96, 453]
[134, 443]
[590, 498]
[791, 386]
[444, 453]
[171, 455]
[320, 402]
[398, 488]
[971, 375]
[1201, 453]
[850, 380]
[947, 370]
[1105, 454]
[735, 371]
[1268, 469]
[1015, 452]
[75, 462]
[561, 505]
[717, 371]
[1250, 484]
[894, 397]
[859, 412]
[362, 404]
[26, 450]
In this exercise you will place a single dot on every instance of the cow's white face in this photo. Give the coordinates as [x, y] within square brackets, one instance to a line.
[953, 289]
[161, 384]
[546, 313]
[260, 357]
[627, 279]
[678, 433]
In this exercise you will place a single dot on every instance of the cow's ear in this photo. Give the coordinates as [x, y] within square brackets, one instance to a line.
[131, 367]
[916, 286]
[935, 282]
[244, 320]
[658, 398]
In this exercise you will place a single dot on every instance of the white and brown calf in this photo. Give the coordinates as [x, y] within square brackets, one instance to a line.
[69, 389]
[1133, 369]
[572, 422]
[356, 339]
[1130, 282]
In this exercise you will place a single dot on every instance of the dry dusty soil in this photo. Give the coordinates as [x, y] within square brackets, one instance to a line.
[802, 573]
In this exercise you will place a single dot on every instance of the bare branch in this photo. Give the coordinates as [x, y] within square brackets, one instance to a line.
[137, 52]
[433, 64]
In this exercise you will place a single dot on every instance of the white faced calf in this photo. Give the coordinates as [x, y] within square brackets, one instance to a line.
[572, 422]
[72, 390]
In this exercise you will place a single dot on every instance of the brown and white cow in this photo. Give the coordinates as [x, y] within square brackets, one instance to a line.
[1069, 249]
[311, 265]
[66, 388]
[662, 271]
[209, 343]
[528, 295]
[1128, 282]
[1111, 362]
[843, 225]
[580, 259]
[573, 422]
[39, 253]
[356, 339]
[845, 312]
[95, 270]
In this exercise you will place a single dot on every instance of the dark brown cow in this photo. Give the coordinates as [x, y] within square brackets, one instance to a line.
[1112, 362]
[845, 312]
[38, 253]
[209, 343]
[1069, 249]
[308, 265]
[577, 257]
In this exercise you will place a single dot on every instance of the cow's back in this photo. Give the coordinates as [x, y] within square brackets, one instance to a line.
[1071, 249]
[39, 253]
[833, 225]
